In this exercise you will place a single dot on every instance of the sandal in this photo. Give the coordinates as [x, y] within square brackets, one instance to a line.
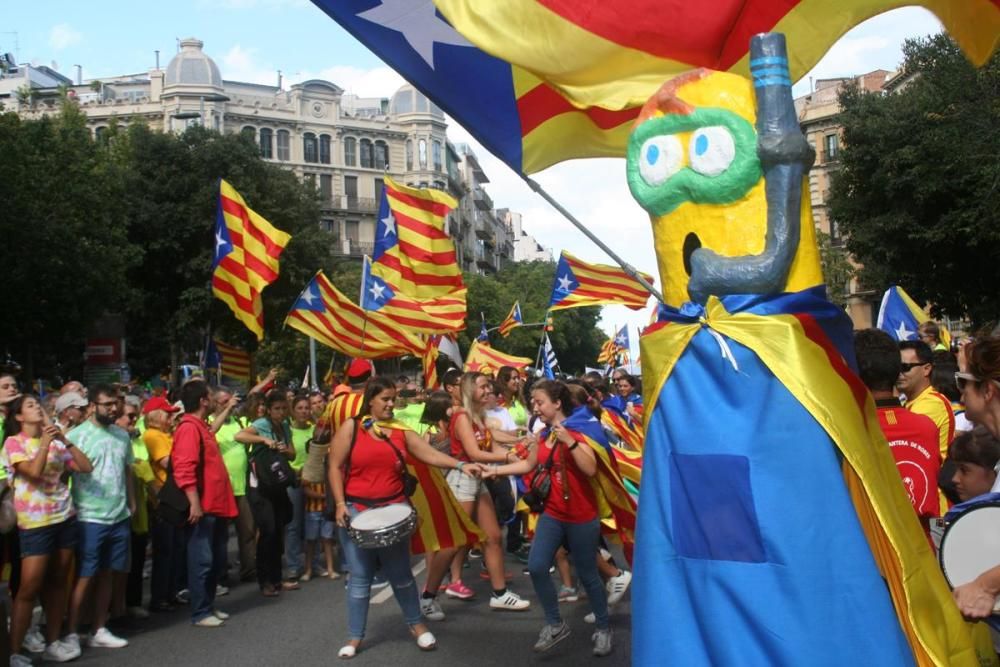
[348, 651]
[269, 592]
[290, 585]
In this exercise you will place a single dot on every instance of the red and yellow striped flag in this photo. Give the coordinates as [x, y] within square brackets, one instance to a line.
[512, 321]
[247, 248]
[608, 353]
[233, 362]
[483, 358]
[324, 313]
[579, 283]
[413, 253]
[443, 314]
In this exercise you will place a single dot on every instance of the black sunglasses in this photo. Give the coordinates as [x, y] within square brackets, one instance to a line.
[907, 367]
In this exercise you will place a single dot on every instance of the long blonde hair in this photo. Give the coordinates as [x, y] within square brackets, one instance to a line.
[467, 388]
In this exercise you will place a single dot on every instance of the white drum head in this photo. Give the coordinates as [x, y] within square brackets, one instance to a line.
[971, 545]
[381, 517]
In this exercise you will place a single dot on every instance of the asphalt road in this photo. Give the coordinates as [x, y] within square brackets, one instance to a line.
[308, 626]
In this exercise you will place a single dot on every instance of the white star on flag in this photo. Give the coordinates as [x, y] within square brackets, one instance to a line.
[390, 225]
[220, 241]
[620, 341]
[565, 283]
[309, 296]
[377, 291]
[418, 23]
[902, 333]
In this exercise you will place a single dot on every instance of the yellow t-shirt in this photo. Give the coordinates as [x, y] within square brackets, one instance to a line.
[159, 445]
[936, 405]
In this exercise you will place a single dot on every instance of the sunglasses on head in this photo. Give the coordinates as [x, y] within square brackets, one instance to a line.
[906, 367]
[963, 379]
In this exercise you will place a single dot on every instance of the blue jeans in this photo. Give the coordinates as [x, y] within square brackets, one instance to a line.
[394, 563]
[206, 556]
[582, 539]
[293, 532]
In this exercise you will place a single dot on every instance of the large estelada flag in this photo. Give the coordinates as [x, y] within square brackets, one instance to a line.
[442, 314]
[324, 313]
[578, 283]
[483, 358]
[245, 261]
[413, 253]
[901, 317]
[231, 361]
[616, 54]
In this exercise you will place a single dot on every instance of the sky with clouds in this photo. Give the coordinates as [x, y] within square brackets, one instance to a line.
[251, 40]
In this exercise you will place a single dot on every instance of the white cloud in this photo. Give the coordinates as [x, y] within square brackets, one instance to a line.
[374, 82]
[63, 36]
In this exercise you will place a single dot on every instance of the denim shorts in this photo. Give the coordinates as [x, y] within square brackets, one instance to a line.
[465, 487]
[318, 526]
[103, 547]
[46, 540]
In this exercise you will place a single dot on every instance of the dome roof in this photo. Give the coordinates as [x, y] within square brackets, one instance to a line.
[410, 100]
[191, 67]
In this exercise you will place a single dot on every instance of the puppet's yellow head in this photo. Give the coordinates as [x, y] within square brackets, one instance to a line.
[693, 164]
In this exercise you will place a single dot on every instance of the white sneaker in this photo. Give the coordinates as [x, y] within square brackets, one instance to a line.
[103, 638]
[617, 586]
[221, 615]
[590, 618]
[212, 621]
[61, 651]
[20, 660]
[221, 590]
[72, 640]
[138, 612]
[431, 609]
[34, 641]
[509, 601]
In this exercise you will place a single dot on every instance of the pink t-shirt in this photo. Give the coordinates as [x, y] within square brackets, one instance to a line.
[39, 504]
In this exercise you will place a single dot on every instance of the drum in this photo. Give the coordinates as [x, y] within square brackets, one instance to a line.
[970, 545]
[383, 526]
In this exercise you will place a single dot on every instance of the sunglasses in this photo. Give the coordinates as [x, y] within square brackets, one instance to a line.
[907, 367]
[963, 379]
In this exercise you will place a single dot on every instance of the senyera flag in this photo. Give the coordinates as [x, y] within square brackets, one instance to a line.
[245, 261]
[324, 313]
[413, 253]
[483, 358]
[443, 314]
[518, 117]
[578, 283]
[616, 54]
[512, 321]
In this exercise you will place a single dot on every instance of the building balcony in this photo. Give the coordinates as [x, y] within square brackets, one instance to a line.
[482, 200]
[350, 248]
[485, 260]
[353, 204]
[483, 229]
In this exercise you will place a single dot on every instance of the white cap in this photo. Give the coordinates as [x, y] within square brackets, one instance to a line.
[70, 399]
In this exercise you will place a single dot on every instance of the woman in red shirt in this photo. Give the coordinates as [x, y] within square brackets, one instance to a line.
[570, 515]
[374, 479]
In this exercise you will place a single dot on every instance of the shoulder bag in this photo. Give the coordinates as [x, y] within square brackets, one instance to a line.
[172, 504]
[541, 484]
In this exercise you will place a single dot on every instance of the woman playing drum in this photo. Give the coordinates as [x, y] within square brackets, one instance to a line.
[367, 449]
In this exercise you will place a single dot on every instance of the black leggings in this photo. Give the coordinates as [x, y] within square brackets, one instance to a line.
[271, 512]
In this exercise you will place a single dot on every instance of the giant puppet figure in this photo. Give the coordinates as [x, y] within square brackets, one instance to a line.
[773, 528]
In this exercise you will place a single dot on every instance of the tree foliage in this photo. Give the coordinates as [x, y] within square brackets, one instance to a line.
[918, 191]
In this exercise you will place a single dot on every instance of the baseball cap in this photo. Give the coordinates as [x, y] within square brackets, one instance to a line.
[359, 369]
[70, 399]
[158, 403]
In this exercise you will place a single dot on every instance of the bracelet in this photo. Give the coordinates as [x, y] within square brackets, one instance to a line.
[576, 443]
[459, 466]
[341, 503]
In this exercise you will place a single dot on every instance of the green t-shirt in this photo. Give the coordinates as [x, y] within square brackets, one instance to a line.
[234, 456]
[518, 413]
[300, 437]
[101, 496]
[410, 415]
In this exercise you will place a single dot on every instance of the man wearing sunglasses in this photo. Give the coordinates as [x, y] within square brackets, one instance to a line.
[915, 383]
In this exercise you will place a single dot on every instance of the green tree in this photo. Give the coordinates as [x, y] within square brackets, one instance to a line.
[918, 191]
[837, 269]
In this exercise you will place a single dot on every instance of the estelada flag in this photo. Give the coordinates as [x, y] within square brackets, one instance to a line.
[617, 54]
[512, 321]
[483, 358]
[443, 314]
[578, 283]
[245, 261]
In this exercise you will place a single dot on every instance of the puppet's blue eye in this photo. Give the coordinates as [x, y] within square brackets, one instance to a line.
[660, 158]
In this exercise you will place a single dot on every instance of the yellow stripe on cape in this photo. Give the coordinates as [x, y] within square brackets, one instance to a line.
[936, 632]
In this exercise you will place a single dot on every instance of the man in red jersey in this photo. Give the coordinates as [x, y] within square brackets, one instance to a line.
[912, 437]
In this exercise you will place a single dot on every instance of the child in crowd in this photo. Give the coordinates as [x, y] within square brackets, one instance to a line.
[318, 523]
[975, 454]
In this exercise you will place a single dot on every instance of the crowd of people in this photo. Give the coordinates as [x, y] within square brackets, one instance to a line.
[95, 475]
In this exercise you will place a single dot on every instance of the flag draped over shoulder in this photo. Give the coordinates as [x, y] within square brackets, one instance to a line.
[232, 362]
[483, 358]
[245, 261]
[578, 283]
[512, 321]
[616, 54]
[434, 315]
[413, 253]
[900, 316]
[324, 313]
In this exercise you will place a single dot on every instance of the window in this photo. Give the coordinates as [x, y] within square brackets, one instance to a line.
[310, 179]
[379, 191]
[831, 141]
[351, 229]
[422, 153]
[381, 155]
[436, 155]
[351, 191]
[325, 187]
[328, 225]
[250, 132]
[409, 154]
[284, 145]
[265, 143]
[99, 132]
[310, 150]
[367, 154]
[324, 148]
[350, 151]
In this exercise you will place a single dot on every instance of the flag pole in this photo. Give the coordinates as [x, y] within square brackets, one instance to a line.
[312, 362]
[628, 268]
